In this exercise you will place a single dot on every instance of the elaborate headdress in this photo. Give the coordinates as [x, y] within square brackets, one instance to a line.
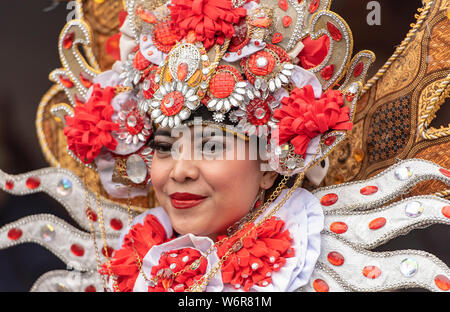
[281, 70]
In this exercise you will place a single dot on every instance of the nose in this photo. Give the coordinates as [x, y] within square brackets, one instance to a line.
[184, 167]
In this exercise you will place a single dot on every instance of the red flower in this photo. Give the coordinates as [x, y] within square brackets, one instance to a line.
[89, 130]
[211, 20]
[139, 240]
[264, 251]
[302, 117]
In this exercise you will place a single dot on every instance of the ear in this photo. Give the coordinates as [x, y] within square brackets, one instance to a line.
[267, 179]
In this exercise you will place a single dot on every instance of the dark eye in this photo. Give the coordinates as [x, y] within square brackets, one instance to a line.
[162, 147]
[322, 164]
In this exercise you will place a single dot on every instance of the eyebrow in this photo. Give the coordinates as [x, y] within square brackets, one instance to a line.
[162, 132]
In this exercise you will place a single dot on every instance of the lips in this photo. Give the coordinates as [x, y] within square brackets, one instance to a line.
[185, 200]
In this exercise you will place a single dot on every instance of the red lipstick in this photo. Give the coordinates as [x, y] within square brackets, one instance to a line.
[185, 200]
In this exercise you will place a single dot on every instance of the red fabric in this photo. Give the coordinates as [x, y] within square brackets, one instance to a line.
[314, 52]
[123, 262]
[302, 117]
[211, 20]
[267, 246]
[89, 130]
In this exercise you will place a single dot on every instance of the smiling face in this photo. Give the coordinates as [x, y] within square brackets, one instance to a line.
[204, 180]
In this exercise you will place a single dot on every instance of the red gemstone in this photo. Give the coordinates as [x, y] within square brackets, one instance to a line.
[77, 250]
[33, 183]
[334, 31]
[66, 82]
[14, 234]
[68, 40]
[87, 83]
[283, 5]
[371, 271]
[90, 288]
[182, 71]
[277, 38]
[358, 69]
[330, 140]
[442, 282]
[338, 227]
[377, 223]
[91, 215]
[116, 224]
[9, 185]
[108, 252]
[329, 199]
[327, 72]
[287, 21]
[369, 190]
[446, 211]
[335, 258]
[314, 6]
[320, 285]
[445, 172]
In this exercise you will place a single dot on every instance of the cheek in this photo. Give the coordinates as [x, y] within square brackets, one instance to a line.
[159, 173]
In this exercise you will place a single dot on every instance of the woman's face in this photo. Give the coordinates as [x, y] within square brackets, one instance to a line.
[204, 180]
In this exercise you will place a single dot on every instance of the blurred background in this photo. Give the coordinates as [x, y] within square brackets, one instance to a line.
[29, 34]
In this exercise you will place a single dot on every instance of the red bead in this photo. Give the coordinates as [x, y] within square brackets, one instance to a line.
[77, 250]
[68, 40]
[329, 141]
[91, 215]
[358, 69]
[9, 185]
[14, 234]
[277, 38]
[283, 5]
[368, 190]
[334, 31]
[446, 211]
[377, 223]
[174, 107]
[33, 183]
[287, 21]
[371, 271]
[116, 224]
[445, 172]
[108, 252]
[327, 72]
[335, 258]
[442, 282]
[222, 85]
[320, 285]
[329, 199]
[338, 227]
[90, 288]
[314, 6]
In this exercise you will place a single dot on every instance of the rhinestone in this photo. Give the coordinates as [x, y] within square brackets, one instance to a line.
[173, 266]
[320, 285]
[354, 87]
[116, 224]
[329, 199]
[9, 185]
[338, 227]
[268, 274]
[409, 267]
[90, 288]
[260, 113]
[377, 223]
[132, 121]
[368, 190]
[14, 234]
[255, 266]
[77, 250]
[195, 265]
[185, 259]
[265, 283]
[48, 233]
[442, 282]
[64, 187]
[446, 211]
[276, 265]
[414, 209]
[371, 271]
[33, 183]
[136, 169]
[272, 259]
[403, 173]
[291, 163]
[173, 255]
[335, 258]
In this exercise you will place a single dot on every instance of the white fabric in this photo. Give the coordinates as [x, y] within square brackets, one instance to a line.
[157, 57]
[301, 78]
[303, 217]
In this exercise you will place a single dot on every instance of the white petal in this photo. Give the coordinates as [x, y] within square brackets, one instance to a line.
[165, 121]
[176, 120]
[241, 84]
[171, 123]
[212, 103]
[156, 113]
[240, 91]
[272, 87]
[190, 93]
[155, 104]
[219, 105]
[288, 66]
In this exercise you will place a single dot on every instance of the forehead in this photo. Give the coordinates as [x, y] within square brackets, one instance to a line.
[198, 131]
